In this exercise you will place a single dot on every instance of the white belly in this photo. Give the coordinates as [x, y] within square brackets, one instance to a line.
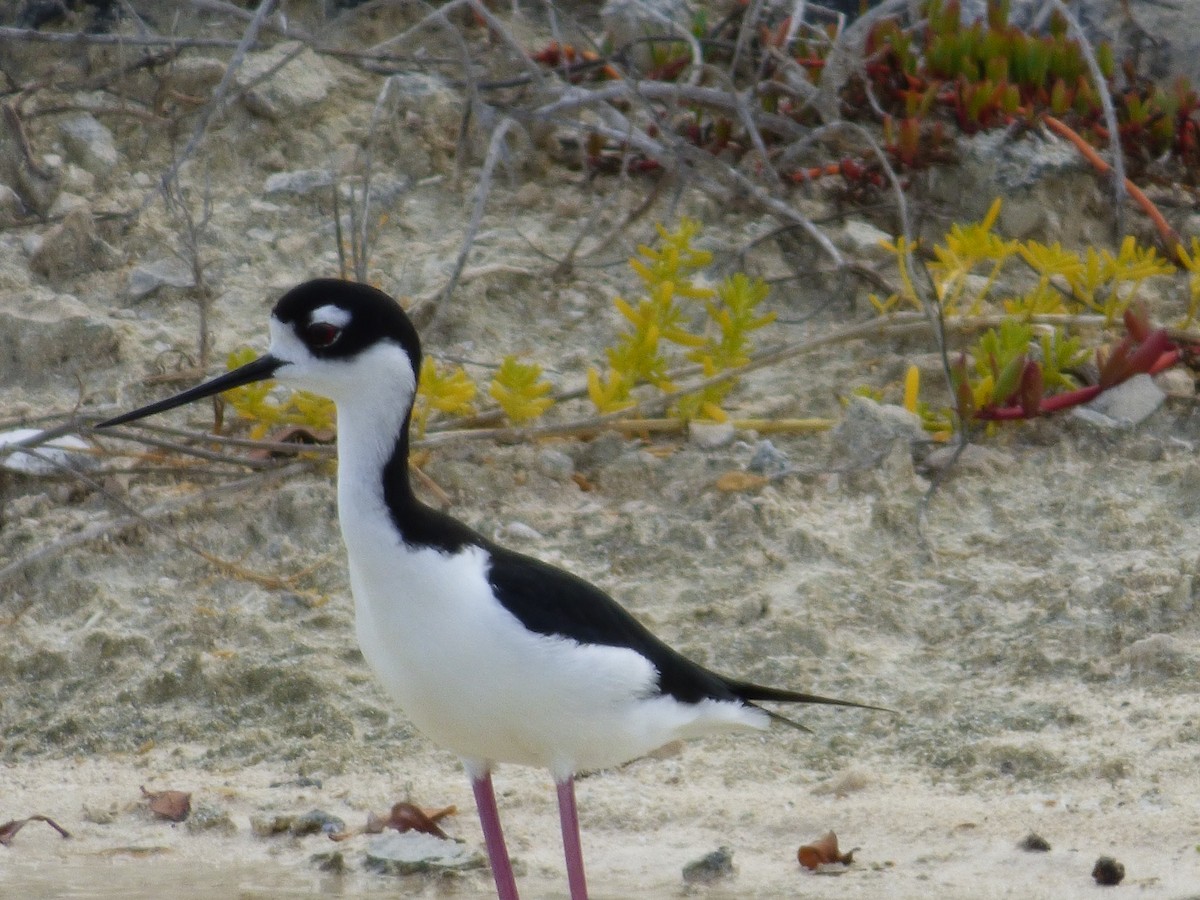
[475, 681]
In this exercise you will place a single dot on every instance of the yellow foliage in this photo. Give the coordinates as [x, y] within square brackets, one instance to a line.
[446, 390]
[267, 413]
[1067, 282]
[664, 317]
[520, 390]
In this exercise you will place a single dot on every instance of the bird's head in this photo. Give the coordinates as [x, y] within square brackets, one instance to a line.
[340, 339]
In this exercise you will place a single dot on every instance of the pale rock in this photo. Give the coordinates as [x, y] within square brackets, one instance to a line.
[414, 852]
[1176, 382]
[1131, 401]
[300, 182]
[44, 334]
[65, 203]
[90, 144]
[196, 76]
[147, 278]
[71, 248]
[710, 435]
[295, 86]
[868, 431]
[864, 240]
[65, 451]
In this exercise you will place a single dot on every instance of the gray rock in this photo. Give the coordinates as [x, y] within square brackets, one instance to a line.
[315, 821]
[1159, 656]
[1099, 420]
[865, 241]
[868, 432]
[425, 117]
[415, 853]
[44, 333]
[710, 867]
[89, 144]
[72, 248]
[284, 89]
[67, 451]
[66, 202]
[147, 278]
[768, 460]
[1130, 402]
[196, 76]
[555, 464]
[12, 210]
[710, 435]
[1043, 180]
[35, 183]
[300, 182]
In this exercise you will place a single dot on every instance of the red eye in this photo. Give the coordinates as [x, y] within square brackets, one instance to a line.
[321, 334]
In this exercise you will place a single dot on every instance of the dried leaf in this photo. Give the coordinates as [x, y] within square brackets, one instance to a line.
[740, 481]
[409, 817]
[823, 851]
[405, 816]
[172, 805]
[9, 830]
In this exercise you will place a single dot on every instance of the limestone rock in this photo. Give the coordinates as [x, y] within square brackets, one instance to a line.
[285, 88]
[45, 333]
[71, 248]
[89, 144]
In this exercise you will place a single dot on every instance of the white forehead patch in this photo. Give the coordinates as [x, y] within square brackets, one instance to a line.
[330, 314]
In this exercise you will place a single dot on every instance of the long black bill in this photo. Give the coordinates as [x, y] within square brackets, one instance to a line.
[258, 370]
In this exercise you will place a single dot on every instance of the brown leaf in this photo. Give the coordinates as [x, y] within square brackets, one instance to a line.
[406, 817]
[9, 830]
[172, 805]
[409, 817]
[823, 851]
[740, 481]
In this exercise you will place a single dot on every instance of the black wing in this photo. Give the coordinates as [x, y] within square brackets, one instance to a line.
[550, 601]
[553, 602]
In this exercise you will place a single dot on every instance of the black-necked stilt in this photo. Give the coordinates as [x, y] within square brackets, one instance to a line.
[494, 655]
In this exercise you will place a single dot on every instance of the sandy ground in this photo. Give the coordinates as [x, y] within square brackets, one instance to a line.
[1034, 625]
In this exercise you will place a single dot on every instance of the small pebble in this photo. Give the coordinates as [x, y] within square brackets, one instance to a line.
[333, 863]
[768, 460]
[709, 868]
[312, 822]
[1034, 843]
[710, 435]
[1108, 871]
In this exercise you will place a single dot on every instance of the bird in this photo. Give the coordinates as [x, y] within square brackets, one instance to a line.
[492, 654]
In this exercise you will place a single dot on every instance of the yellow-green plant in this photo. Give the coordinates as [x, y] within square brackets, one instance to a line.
[1014, 371]
[444, 389]
[734, 313]
[661, 317]
[1067, 282]
[258, 403]
[668, 278]
[520, 390]
[1191, 262]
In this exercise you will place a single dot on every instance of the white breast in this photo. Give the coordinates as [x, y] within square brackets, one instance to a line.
[474, 680]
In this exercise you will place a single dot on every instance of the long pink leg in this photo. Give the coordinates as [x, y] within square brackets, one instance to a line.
[569, 817]
[493, 836]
